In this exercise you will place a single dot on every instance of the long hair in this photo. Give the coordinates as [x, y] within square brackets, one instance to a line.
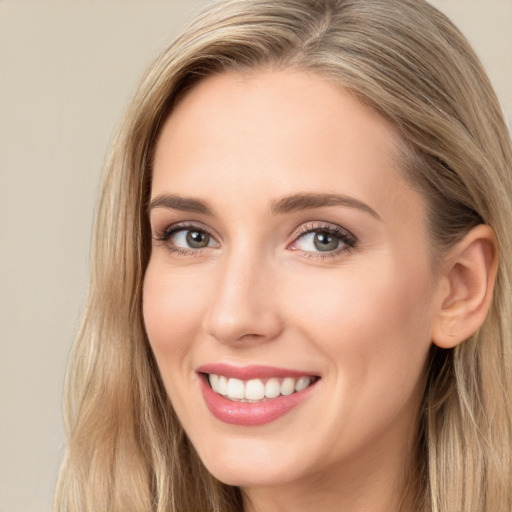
[126, 449]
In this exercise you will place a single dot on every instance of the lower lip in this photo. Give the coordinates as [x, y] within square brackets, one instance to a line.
[251, 414]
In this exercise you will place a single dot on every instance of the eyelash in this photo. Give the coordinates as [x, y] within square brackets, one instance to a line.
[348, 240]
[164, 235]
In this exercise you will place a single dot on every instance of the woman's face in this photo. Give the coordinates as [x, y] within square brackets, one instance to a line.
[288, 253]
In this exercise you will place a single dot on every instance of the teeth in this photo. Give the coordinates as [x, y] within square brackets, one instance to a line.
[214, 380]
[235, 389]
[287, 386]
[302, 383]
[272, 388]
[256, 390]
[222, 386]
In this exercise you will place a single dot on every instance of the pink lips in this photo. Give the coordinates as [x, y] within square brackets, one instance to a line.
[247, 413]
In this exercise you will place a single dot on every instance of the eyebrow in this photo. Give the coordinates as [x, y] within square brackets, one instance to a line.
[306, 201]
[180, 203]
[288, 204]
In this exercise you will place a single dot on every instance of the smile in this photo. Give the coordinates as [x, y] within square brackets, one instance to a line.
[253, 395]
[257, 390]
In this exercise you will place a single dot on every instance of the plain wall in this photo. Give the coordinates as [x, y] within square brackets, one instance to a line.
[67, 69]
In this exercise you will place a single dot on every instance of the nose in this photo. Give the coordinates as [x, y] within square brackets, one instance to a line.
[244, 308]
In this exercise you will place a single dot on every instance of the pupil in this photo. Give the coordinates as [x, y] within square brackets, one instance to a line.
[325, 242]
[197, 239]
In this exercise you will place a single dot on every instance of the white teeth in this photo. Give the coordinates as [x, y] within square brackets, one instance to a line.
[272, 388]
[256, 390]
[236, 389]
[222, 386]
[287, 386]
[302, 383]
[214, 379]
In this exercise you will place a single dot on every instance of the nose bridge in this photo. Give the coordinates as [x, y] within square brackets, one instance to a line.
[242, 307]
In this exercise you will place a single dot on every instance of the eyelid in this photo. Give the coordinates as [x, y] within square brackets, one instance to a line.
[347, 238]
[169, 228]
[312, 226]
[163, 235]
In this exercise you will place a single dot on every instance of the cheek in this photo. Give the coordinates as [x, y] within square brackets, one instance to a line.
[373, 325]
[365, 302]
[171, 312]
[374, 331]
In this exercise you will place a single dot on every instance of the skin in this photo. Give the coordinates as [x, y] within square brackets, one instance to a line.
[361, 317]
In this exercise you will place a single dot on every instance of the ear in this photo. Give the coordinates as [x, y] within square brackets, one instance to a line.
[466, 287]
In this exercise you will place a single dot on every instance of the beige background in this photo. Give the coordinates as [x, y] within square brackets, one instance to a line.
[66, 71]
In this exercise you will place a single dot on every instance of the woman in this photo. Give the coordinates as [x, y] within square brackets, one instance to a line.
[300, 284]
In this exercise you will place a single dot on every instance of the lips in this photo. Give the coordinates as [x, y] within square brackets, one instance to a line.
[253, 395]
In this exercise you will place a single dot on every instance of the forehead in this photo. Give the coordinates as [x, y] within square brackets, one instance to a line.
[278, 133]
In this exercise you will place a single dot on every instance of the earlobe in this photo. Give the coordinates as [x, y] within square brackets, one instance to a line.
[467, 287]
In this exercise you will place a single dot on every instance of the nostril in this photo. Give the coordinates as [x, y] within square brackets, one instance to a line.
[249, 329]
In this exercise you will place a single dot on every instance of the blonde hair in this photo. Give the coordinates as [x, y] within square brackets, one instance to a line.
[126, 449]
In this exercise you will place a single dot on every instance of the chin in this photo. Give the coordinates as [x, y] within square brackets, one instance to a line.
[247, 466]
[246, 476]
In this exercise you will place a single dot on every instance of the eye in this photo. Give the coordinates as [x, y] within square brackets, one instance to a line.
[319, 241]
[184, 238]
[323, 239]
[191, 239]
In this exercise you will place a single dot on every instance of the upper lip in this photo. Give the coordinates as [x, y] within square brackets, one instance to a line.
[251, 371]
